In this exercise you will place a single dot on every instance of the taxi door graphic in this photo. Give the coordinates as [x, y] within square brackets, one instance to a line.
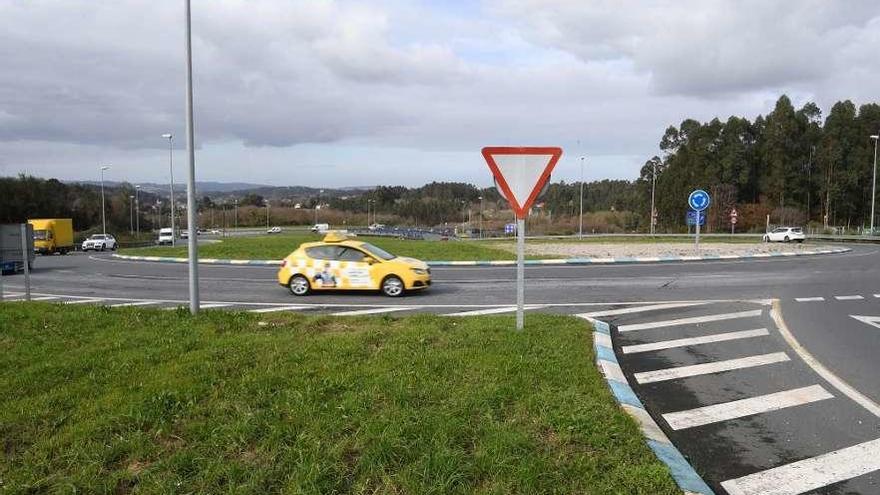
[355, 271]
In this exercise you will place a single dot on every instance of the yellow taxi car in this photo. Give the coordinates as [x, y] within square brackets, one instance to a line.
[340, 263]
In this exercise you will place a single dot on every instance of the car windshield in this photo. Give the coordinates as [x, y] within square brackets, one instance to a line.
[377, 252]
[40, 235]
[97, 236]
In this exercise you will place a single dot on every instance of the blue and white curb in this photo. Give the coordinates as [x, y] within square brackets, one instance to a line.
[550, 262]
[682, 471]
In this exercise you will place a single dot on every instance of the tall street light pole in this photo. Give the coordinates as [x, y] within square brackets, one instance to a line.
[131, 214]
[267, 214]
[481, 217]
[581, 208]
[137, 210]
[874, 182]
[235, 209]
[653, 188]
[170, 139]
[191, 221]
[103, 214]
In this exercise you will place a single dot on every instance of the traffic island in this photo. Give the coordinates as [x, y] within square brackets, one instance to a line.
[309, 404]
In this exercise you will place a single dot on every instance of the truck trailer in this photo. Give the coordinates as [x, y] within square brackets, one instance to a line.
[52, 235]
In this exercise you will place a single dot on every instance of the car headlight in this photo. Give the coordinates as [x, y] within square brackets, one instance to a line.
[419, 271]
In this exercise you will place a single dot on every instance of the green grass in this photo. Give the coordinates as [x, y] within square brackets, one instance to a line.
[99, 400]
[646, 239]
[278, 246]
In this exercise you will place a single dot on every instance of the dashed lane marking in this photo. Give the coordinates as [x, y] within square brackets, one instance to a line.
[670, 344]
[373, 311]
[709, 368]
[276, 308]
[44, 298]
[849, 298]
[689, 321]
[638, 309]
[809, 299]
[493, 311]
[810, 474]
[746, 407]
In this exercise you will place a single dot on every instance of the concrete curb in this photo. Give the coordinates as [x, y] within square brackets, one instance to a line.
[606, 359]
[549, 262]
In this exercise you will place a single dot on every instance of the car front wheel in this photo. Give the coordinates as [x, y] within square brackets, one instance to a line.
[299, 285]
[392, 286]
[786, 239]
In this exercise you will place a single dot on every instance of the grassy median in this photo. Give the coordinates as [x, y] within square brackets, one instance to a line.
[98, 400]
[276, 247]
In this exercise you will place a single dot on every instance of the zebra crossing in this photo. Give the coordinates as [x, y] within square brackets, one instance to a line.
[729, 392]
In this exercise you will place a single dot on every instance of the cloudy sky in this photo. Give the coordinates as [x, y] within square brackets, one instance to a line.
[337, 93]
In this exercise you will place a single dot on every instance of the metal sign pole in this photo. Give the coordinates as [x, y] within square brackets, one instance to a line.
[698, 230]
[191, 221]
[25, 259]
[520, 271]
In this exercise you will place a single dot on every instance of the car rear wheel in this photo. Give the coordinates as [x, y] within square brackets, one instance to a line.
[103, 247]
[392, 286]
[787, 239]
[299, 285]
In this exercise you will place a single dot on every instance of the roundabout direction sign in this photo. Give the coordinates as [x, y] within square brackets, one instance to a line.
[698, 200]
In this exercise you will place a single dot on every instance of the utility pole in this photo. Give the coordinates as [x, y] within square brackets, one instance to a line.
[103, 214]
[581, 209]
[191, 221]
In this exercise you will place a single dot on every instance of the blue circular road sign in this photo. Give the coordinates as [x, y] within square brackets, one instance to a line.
[699, 200]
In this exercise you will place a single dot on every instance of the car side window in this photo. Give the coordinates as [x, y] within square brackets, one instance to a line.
[323, 252]
[351, 254]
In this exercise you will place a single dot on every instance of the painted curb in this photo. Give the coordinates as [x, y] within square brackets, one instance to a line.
[606, 359]
[550, 262]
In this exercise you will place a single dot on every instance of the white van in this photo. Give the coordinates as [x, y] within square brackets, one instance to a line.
[166, 236]
[321, 228]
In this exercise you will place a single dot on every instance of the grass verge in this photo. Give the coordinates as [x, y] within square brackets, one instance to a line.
[99, 400]
[276, 247]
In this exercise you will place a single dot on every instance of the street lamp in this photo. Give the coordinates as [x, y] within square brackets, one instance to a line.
[170, 139]
[103, 214]
[581, 214]
[318, 205]
[137, 209]
[235, 209]
[874, 182]
[131, 214]
[267, 214]
[481, 216]
[653, 187]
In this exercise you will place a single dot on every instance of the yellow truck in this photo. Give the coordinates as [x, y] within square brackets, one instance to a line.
[52, 235]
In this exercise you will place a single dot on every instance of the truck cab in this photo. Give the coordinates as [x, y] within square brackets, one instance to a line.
[52, 235]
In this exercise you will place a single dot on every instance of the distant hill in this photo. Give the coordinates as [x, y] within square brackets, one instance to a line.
[203, 187]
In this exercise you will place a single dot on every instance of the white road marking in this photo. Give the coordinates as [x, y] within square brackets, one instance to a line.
[276, 308]
[877, 295]
[809, 299]
[689, 321]
[874, 321]
[203, 306]
[83, 301]
[373, 311]
[848, 298]
[44, 298]
[835, 381]
[130, 304]
[637, 309]
[810, 474]
[746, 407]
[670, 344]
[492, 311]
[707, 368]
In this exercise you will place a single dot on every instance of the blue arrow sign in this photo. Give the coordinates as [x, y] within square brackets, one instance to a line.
[698, 200]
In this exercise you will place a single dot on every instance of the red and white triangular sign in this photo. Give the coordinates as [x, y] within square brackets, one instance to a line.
[874, 321]
[521, 172]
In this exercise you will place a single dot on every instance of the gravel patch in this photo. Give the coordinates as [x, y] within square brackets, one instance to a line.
[619, 250]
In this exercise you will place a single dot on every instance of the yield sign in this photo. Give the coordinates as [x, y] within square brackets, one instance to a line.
[874, 321]
[521, 172]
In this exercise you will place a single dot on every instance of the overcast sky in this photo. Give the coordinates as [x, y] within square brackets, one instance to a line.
[327, 93]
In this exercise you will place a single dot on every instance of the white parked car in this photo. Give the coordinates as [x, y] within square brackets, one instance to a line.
[785, 234]
[99, 242]
[274, 230]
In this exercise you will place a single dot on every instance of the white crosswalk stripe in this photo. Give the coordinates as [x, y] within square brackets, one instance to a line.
[706, 339]
[492, 311]
[639, 309]
[746, 407]
[709, 368]
[855, 297]
[374, 311]
[689, 321]
[810, 474]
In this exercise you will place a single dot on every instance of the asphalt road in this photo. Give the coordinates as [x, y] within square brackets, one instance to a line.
[817, 298]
